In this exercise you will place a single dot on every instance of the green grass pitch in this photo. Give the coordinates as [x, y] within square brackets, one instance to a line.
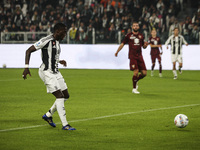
[102, 108]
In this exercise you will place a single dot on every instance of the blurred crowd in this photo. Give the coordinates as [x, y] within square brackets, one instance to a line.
[106, 17]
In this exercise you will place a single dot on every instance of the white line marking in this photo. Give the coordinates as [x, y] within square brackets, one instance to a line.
[102, 117]
[19, 79]
[128, 113]
[11, 80]
[29, 127]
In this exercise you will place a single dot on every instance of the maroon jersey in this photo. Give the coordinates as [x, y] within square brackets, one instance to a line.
[135, 42]
[154, 41]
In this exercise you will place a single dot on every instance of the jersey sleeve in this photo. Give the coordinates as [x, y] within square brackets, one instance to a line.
[125, 41]
[168, 40]
[184, 41]
[40, 44]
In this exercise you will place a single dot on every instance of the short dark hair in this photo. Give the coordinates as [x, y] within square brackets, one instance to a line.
[176, 28]
[59, 26]
[135, 22]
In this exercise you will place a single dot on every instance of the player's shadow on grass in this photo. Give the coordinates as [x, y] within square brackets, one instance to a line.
[175, 129]
[149, 94]
[188, 79]
[180, 78]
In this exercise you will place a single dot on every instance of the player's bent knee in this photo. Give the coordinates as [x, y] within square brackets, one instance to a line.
[66, 96]
[135, 72]
[144, 73]
[58, 94]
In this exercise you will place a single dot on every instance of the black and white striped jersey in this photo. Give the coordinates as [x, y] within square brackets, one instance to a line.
[50, 52]
[176, 44]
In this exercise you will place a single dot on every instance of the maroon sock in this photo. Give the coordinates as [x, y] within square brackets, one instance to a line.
[140, 77]
[152, 67]
[134, 79]
[160, 68]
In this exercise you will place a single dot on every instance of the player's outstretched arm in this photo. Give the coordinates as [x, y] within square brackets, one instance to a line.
[153, 46]
[119, 49]
[168, 40]
[27, 58]
[184, 41]
[161, 50]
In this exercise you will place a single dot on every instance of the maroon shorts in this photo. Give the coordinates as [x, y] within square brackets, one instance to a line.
[153, 58]
[137, 63]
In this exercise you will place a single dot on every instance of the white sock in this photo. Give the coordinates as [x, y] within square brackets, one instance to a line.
[61, 110]
[174, 72]
[51, 110]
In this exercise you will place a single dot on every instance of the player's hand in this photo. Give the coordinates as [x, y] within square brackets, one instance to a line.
[26, 71]
[186, 44]
[167, 47]
[116, 54]
[63, 62]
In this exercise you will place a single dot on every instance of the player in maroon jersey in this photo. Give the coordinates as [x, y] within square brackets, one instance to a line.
[155, 43]
[135, 41]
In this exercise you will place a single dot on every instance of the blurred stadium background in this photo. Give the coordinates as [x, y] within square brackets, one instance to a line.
[97, 21]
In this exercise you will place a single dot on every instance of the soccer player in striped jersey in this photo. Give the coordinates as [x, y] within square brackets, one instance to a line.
[176, 42]
[156, 51]
[49, 73]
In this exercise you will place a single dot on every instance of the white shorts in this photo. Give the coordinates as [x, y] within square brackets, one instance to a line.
[52, 81]
[176, 58]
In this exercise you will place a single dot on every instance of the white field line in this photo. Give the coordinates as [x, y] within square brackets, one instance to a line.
[11, 80]
[19, 79]
[102, 117]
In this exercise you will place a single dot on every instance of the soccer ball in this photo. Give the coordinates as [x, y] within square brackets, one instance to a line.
[181, 121]
[4, 66]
